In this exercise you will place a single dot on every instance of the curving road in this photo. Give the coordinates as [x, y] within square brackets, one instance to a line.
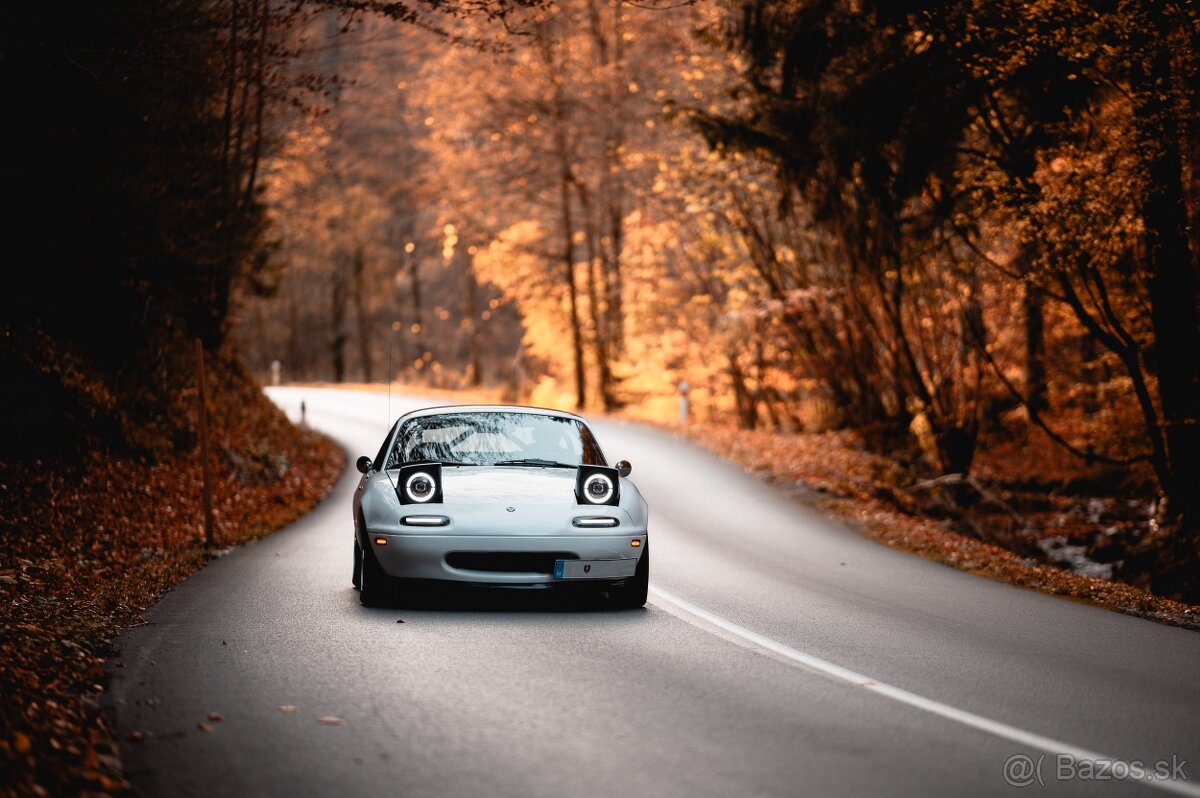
[781, 654]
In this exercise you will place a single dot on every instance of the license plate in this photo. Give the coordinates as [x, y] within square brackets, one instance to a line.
[594, 569]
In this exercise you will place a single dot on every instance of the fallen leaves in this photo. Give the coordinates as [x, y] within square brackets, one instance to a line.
[835, 472]
[331, 720]
[86, 546]
[288, 708]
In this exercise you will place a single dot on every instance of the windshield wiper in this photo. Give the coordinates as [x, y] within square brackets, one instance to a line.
[534, 461]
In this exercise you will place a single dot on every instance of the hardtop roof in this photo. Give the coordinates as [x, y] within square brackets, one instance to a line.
[452, 409]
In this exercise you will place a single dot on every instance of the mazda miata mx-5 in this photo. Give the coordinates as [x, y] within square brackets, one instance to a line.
[497, 496]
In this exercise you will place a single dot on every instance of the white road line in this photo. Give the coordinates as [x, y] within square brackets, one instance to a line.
[690, 612]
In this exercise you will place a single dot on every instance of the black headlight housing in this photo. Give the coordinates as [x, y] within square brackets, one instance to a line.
[420, 483]
[597, 485]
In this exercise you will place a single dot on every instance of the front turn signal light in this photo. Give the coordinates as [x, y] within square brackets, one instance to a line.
[380, 541]
[635, 543]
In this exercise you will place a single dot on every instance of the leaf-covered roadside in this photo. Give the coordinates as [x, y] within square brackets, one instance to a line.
[88, 545]
[833, 471]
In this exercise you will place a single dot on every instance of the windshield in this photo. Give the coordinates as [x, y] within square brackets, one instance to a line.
[496, 438]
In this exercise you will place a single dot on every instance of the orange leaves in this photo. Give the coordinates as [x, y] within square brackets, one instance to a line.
[85, 547]
[833, 471]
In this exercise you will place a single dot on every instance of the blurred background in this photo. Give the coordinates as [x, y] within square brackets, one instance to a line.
[931, 265]
[960, 236]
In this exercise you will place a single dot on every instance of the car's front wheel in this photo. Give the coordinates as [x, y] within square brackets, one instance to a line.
[375, 586]
[634, 592]
[357, 577]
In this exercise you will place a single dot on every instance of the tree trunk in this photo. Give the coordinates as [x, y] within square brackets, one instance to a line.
[616, 308]
[415, 329]
[566, 179]
[597, 306]
[292, 359]
[471, 322]
[1035, 349]
[616, 232]
[397, 335]
[337, 320]
[743, 401]
[761, 393]
[1173, 284]
[568, 260]
[360, 310]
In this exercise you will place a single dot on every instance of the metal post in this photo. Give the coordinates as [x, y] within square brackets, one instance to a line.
[208, 516]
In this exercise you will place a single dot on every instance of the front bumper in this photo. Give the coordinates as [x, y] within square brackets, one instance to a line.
[464, 558]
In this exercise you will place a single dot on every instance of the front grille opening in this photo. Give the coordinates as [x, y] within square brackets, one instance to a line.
[519, 562]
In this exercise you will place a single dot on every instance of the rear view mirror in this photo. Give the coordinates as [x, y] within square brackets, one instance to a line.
[624, 468]
[363, 464]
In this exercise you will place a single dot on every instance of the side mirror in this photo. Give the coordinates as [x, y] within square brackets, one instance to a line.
[363, 464]
[624, 468]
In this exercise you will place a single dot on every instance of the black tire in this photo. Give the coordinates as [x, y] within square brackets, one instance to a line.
[633, 593]
[357, 578]
[375, 586]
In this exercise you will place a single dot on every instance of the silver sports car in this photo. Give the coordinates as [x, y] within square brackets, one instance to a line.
[497, 496]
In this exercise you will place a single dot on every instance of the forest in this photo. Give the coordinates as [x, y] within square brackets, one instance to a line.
[936, 260]
[964, 232]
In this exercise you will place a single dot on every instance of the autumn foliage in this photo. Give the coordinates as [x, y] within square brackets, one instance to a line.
[966, 231]
[835, 472]
[136, 189]
[956, 155]
[962, 237]
[87, 545]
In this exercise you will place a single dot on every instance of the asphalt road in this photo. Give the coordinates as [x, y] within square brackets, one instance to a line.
[781, 654]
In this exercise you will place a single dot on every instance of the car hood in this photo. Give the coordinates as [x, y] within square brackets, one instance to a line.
[528, 485]
[479, 500]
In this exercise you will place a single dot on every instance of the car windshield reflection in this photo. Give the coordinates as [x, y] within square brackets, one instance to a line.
[484, 438]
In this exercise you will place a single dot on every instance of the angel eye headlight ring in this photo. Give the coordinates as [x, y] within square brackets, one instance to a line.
[597, 488]
[420, 487]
